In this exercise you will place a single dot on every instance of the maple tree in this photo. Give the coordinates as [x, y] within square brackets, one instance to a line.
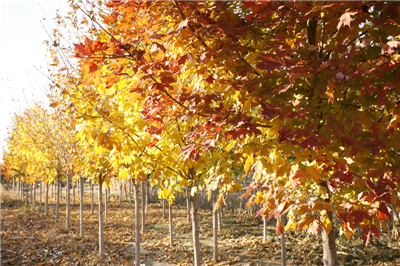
[302, 95]
[307, 91]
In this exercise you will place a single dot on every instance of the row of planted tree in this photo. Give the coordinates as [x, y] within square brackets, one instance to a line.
[305, 95]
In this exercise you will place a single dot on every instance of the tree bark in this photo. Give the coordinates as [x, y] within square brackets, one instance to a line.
[265, 230]
[120, 193]
[101, 229]
[137, 224]
[195, 230]
[91, 195]
[143, 210]
[130, 193]
[126, 194]
[106, 204]
[188, 205]
[46, 208]
[283, 243]
[31, 190]
[329, 246]
[163, 208]
[20, 189]
[73, 191]
[219, 219]
[34, 194]
[215, 226]
[27, 193]
[67, 201]
[40, 196]
[58, 197]
[52, 189]
[171, 241]
[81, 205]
[147, 194]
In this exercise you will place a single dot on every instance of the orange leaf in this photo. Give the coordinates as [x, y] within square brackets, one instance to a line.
[279, 227]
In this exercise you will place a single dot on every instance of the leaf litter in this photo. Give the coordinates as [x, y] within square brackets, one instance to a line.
[30, 238]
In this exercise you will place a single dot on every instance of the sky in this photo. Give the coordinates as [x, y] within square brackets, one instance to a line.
[21, 51]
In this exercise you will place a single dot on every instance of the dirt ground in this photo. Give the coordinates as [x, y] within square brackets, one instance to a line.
[30, 238]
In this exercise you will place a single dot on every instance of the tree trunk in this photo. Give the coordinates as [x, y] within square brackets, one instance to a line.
[101, 229]
[58, 197]
[67, 201]
[283, 243]
[27, 193]
[40, 196]
[188, 205]
[171, 241]
[130, 193]
[163, 208]
[106, 204]
[34, 194]
[195, 230]
[91, 195]
[46, 208]
[215, 226]
[61, 191]
[147, 194]
[329, 246]
[126, 194]
[143, 211]
[81, 205]
[265, 230]
[137, 224]
[219, 219]
[120, 193]
[52, 189]
[73, 191]
[31, 189]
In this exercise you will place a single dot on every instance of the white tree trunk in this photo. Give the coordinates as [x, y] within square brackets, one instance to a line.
[101, 229]
[61, 191]
[147, 194]
[120, 193]
[171, 241]
[58, 198]
[81, 205]
[329, 246]
[195, 230]
[188, 205]
[137, 224]
[215, 226]
[283, 243]
[73, 191]
[46, 209]
[34, 194]
[265, 230]
[130, 193]
[106, 204]
[91, 195]
[40, 196]
[219, 219]
[143, 210]
[67, 201]
[31, 189]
